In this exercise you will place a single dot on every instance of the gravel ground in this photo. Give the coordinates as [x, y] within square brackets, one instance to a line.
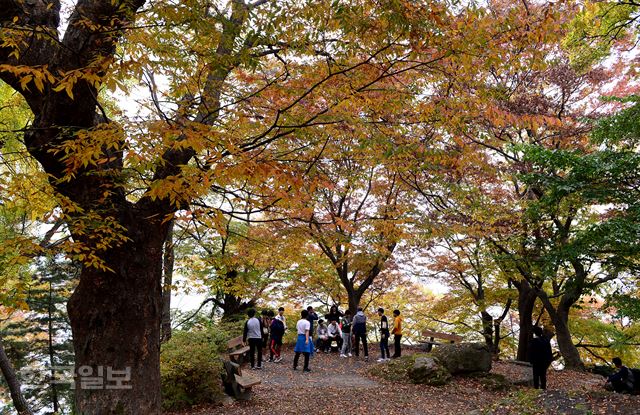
[342, 386]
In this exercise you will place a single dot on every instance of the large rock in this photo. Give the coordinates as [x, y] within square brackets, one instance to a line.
[517, 372]
[464, 357]
[428, 370]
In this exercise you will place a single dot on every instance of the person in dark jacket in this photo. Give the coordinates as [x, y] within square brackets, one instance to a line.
[334, 315]
[384, 336]
[275, 344]
[359, 330]
[540, 357]
[346, 334]
[311, 316]
[621, 381]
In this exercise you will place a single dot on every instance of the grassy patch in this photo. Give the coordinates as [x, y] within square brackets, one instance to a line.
[522, 402]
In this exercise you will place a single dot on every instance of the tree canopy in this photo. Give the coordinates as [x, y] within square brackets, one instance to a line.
[311, 151]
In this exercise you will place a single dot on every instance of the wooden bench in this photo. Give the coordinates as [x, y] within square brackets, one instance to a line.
[432, 335]
[237, 351]
[236, 383]
[246, 382]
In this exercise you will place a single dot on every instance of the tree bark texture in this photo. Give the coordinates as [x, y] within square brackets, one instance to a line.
[52, 363]
[526, 303]
[234, 306]
[560, 318]
[354, 297]
[115, 311]
[497, 324]
[487, 328]
[115, 318]
[167, 282]
[19, 402]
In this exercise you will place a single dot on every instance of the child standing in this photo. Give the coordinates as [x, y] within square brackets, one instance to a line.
[397, 333]
[253, 334]
[304, 345]
[346, 334]
[275, 344]
[384, 337]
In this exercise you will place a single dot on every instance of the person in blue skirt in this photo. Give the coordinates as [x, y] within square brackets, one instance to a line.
[304, 344]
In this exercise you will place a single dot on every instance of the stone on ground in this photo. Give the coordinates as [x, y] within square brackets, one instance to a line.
[517, 372]
[428, 370]
[495, 382]
[415, 368]
[464, 357]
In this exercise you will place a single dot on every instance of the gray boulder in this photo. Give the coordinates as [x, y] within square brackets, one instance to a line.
[428, 370]
[519, 373]
[464, 357]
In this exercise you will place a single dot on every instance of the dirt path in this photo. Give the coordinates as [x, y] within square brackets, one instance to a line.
[342, 386]
[328, 371]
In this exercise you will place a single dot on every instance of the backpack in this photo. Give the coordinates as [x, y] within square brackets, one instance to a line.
[277, 328]
[359, 324]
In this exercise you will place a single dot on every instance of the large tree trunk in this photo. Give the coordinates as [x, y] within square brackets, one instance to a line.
[354, 297]
[560, 318]
[233, 306]
[526, 303]
[115, 318]
[568, 350]
[19, 402]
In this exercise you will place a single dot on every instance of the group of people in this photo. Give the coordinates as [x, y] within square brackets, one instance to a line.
[346, 331]
[541, 356]
[342, 329]
[264, 332]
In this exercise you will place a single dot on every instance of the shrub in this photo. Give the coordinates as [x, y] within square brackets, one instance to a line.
[191, 369]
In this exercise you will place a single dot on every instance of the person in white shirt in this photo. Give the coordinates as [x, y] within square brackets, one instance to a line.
[281, 317]
[304, 344]
[334, 334]
[323, 336]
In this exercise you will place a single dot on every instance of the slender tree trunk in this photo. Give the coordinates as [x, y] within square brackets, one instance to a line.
[167, 282]
[496, 340]
[487, 329]
[497, 324]
[52, 364]
[19, 402]
[115, 319]
[526, 303]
